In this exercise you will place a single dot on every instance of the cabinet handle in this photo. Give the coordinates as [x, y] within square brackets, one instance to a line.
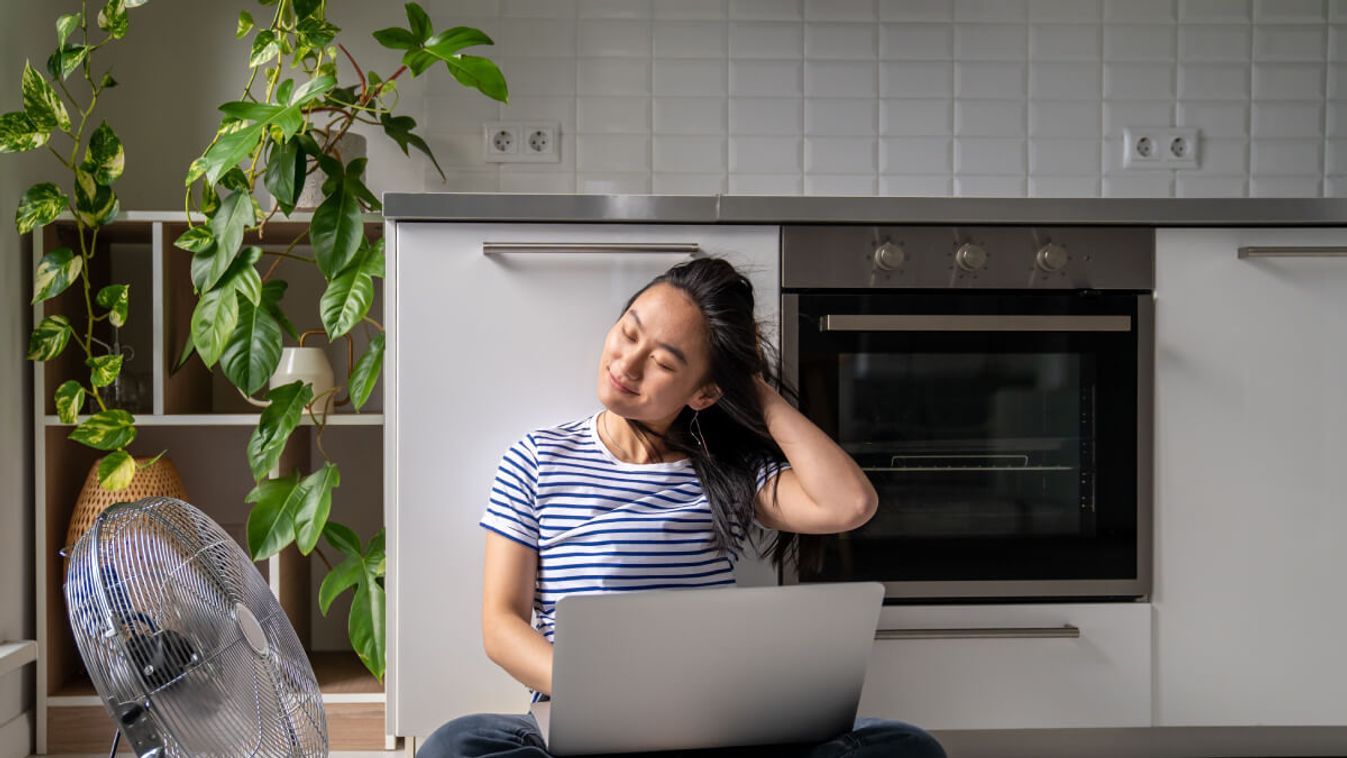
[1293, 252]
[979, 633]
[938, 323]
[683, 248]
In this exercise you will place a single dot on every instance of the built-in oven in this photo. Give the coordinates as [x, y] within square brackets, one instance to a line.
[995, 384]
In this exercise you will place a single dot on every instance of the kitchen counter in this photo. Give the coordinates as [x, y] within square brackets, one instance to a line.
[742, 209]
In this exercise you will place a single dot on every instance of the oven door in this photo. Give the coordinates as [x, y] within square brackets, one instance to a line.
[1007, 434]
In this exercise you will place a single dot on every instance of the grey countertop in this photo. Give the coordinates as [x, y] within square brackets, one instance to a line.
[745, 209]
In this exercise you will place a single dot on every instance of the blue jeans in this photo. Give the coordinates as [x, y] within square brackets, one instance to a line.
[499, 735]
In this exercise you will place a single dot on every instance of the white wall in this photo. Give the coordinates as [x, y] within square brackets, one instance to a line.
[17, 22]
[906, 97]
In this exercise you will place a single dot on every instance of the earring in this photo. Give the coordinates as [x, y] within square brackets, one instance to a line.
[695, 429]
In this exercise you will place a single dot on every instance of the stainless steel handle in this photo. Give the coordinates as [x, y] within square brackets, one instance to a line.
[1028, 632]
[941, 323]
[684, 248]
[1292, 252]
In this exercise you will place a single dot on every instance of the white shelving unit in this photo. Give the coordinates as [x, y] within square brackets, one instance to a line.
[204, 424]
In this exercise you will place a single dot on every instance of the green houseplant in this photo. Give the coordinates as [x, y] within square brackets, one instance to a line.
[283, 128]
[94, 160]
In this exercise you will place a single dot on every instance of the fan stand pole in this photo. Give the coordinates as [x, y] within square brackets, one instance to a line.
[116, 740]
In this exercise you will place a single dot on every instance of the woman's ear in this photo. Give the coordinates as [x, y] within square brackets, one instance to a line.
[705, 397]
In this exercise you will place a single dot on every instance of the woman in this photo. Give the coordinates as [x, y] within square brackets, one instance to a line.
[658, 491]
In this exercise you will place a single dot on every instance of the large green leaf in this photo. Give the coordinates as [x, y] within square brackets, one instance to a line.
[39, 206]
[104, 369]
[95, 204]
[65, 25]
[278, 420]
[418, 21]
[271, 522]
[342, 577]
[480, 73]
[315, 33]
[265, 48]
[228, 151]
[284, 176]
[365, 626]
[55, 272]
[336, 230]
[65, 59]
[399, 128]
[49, 338]
[115, 299]
[227, 227]
[112, 19]
[213, 320]
[116, 470]
[106, 430]
[19, 134]
[348, 296]
[198, 239]
[254, 349]
[242, 276]
[69, 400]
[343, 539]
[41, 103]
[104, 157]
[314, 506]
[272, 292]
[366, 371]
[395, 38]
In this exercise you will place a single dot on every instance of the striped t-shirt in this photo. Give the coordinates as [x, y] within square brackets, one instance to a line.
[600, 524]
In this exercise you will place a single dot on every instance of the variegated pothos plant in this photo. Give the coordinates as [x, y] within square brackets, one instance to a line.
[94, 161]
[283, 128]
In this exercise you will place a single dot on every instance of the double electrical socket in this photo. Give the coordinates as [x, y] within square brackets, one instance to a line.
[1159, 147]
[521, 141]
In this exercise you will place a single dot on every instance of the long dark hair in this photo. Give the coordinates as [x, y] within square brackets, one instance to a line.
[737, 445]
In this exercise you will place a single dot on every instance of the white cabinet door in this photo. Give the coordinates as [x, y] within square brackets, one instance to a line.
[1251, 480]
[489, 347]
[1101, 678]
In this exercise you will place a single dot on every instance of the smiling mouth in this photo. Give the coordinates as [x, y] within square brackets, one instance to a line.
[620, 385]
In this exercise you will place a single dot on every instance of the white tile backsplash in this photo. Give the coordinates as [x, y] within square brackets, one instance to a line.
[766, 39]
[1213, 42]
[991, 42]
[690, 115]
[916, 41]
[1064, 42]
[612, 76]
[840, 79]
[990, 80]
[841, 118]
[690, 78]
[990, 118]
[690, 39]
[916, 155]
[904, 97]
[840, 41]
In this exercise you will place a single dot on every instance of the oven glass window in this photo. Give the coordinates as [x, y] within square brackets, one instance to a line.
[998, 455]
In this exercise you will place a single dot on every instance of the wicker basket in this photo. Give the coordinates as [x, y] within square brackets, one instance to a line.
[159, 479]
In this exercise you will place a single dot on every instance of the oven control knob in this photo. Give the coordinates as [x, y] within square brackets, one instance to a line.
[1051, 257]
[970, 257]
[889, 257]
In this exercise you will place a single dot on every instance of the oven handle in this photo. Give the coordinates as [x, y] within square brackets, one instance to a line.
[682, 248]
[1028, 632]
[957, 323]
[1283, 251]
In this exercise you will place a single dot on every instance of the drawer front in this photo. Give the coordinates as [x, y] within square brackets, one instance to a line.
[1008, 674]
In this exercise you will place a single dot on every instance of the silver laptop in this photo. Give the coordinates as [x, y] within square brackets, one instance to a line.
[686, 669]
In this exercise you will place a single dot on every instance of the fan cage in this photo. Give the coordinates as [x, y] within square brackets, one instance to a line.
[154, 591]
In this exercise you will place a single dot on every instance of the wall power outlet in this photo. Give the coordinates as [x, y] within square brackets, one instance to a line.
[522, 141]
[1160, 147]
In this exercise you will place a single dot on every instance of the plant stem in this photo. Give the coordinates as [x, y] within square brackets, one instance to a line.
[282, 256]
[377, 325]
[363, 84]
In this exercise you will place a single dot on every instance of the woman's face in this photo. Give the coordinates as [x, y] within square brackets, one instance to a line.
[655, 359]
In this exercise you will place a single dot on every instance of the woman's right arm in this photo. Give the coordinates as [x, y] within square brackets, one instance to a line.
[510, 575]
